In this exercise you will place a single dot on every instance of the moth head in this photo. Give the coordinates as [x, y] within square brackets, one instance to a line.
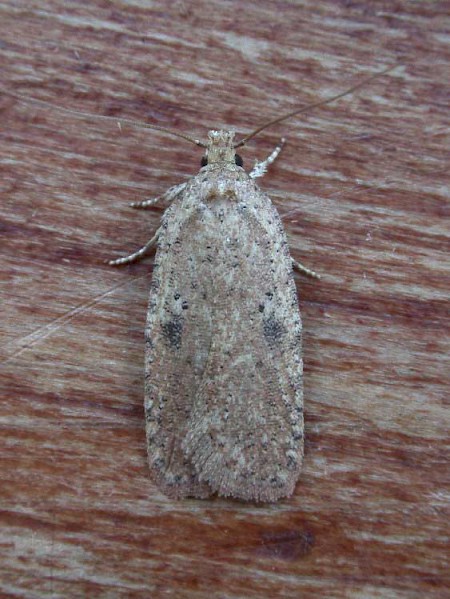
[219, 148]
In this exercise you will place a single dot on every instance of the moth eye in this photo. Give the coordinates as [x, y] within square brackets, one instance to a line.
[238, 160]
[204, 161]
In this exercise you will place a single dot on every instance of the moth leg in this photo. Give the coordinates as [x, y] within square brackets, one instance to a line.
[260, 168]
[144, 251]
[167, 197]
[304, 271]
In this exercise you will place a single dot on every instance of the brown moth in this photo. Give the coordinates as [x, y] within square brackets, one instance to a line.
[223, 394]
[223, 364]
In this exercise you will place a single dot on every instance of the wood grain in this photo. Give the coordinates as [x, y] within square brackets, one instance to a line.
[363, 188]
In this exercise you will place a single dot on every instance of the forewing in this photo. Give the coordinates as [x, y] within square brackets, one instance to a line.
[245, 433]
[178, 337]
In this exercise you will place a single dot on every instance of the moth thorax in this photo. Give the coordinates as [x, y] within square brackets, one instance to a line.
[220, 147]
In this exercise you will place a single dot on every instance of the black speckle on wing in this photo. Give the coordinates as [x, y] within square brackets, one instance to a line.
[274, 331]
[172, 331]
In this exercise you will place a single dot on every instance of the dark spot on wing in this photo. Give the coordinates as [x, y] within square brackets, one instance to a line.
[273, 330]
[172, 330]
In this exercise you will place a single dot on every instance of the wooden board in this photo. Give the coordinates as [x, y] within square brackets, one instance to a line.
[363, 189]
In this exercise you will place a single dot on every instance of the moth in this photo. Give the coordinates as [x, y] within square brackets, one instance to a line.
[223, 364]
[223, 361]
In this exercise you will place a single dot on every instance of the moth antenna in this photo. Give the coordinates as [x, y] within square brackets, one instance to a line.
[86, 115]
[314, 105]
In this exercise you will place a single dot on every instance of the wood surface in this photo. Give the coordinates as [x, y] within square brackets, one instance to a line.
[362, 185]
